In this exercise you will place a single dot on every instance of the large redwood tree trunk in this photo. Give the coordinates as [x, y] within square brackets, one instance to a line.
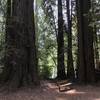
[85, 43]
[20, 60]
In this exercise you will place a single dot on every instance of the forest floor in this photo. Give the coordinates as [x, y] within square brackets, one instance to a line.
[49, 91]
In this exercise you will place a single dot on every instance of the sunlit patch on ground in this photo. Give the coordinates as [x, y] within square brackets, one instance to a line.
[73, 91]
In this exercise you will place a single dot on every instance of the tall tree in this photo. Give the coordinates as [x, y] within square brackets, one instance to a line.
[70, 67]
[60, 39]
[96, 52]
[85, 43]
[20, 59]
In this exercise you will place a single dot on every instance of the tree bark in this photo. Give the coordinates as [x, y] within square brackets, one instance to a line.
[60, 40]
[96, 53]
[20, 59]
[85, 43]
[70, 67]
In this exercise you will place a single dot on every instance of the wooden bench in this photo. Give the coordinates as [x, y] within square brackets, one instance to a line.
[63, 85]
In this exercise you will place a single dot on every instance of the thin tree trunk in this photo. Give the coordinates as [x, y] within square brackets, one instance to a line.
[60, 39]
[70, 67]
[96, 53]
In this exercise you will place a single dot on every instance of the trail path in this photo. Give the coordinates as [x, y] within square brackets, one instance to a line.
[49, 91]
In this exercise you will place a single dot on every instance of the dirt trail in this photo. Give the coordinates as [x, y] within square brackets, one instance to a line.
[49, 91]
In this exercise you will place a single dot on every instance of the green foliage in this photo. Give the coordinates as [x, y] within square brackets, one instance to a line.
[94, 14]
[45, 72]
[46, 42]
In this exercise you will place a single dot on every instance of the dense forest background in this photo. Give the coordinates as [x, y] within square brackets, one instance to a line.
[49, 39]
